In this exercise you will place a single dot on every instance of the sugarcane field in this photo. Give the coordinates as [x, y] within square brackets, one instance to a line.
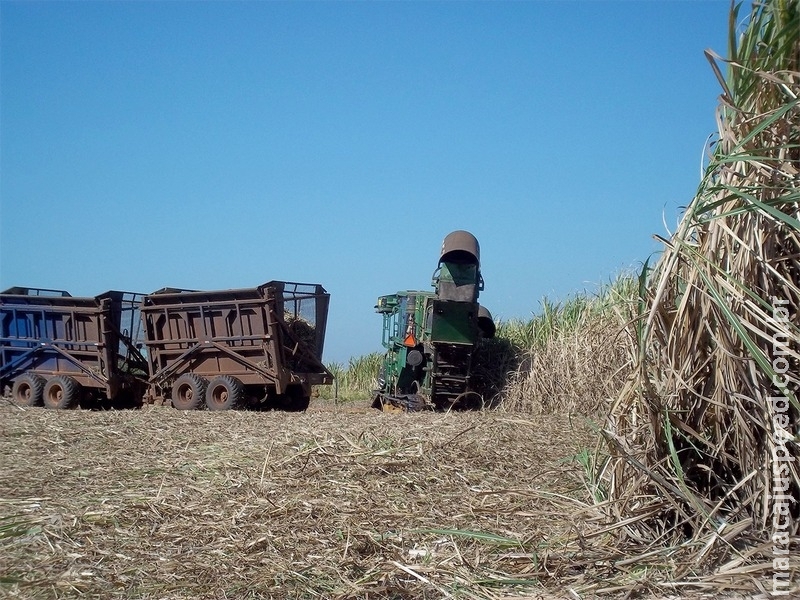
[639, 440]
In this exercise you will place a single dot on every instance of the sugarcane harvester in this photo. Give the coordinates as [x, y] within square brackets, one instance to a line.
[430, 337]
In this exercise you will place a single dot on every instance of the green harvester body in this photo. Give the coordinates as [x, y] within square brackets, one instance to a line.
[430, 337]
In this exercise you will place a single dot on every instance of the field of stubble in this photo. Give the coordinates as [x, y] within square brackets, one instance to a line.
[336, 502]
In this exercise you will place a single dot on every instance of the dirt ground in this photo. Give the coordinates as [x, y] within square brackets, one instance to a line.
[336, 502]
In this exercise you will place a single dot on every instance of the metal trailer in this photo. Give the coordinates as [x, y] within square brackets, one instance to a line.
[256, 347]
[64, 351]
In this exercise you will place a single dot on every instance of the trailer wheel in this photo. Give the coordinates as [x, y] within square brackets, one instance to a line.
[62, 391]
[294, 400]
[224, 393]
[28, 390]
[188, 392]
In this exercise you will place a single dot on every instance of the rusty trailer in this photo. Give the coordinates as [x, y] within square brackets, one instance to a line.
[243, 348]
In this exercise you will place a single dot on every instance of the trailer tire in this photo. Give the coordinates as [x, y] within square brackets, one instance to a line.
[294, 400]
[188, 392]
[300, 404]
[224, 393]
[62, 392]
[28, 390]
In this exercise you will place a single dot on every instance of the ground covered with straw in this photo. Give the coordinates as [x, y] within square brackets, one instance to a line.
[332, 503]
[341, 501]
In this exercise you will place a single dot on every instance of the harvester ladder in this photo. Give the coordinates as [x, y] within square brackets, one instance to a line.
[450, 378]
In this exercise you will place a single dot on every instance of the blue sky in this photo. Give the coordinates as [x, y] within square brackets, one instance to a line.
[215, 145]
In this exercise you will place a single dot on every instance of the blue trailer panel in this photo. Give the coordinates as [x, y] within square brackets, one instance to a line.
[61, 350]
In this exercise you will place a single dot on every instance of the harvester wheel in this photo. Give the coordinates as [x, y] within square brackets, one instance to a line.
[468, 401]
[224, 393]
[61, 391]
[188, 392]
[28, 390]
